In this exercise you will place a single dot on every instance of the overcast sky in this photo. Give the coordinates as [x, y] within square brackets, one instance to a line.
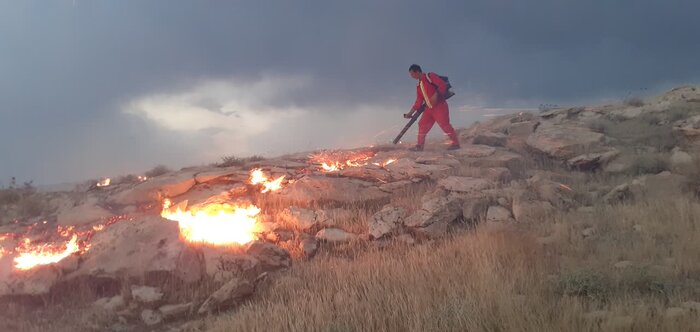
[103, 88]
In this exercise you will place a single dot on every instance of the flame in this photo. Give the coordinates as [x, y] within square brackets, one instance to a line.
[141, 178]
[332, 167]
[32, 256]
[216, 224]
[258, 177]
[28, 255]
[332, 162]
[273, 185]
[384, 164]
[104, 182]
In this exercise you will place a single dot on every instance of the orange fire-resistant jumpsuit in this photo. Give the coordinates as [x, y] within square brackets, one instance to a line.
[439, 112]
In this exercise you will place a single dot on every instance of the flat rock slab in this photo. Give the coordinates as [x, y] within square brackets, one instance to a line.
[169, 185]
[475, 151]
[281, 163]
[82, 214]
[562, 141]
[217, 173]
[499, 158]
[464, 184]
[316, 188]
[139, 248]
[406, 169]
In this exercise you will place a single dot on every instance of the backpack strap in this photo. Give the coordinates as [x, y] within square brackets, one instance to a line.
[437, 90]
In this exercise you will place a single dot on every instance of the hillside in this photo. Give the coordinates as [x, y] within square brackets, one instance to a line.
[583, 218]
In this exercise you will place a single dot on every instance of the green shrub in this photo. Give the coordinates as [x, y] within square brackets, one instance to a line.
[156, 171]
[588, 284]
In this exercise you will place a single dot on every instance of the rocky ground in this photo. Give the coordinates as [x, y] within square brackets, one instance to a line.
[134, 271]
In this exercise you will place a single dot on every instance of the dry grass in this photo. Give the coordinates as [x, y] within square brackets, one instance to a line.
[500, 279]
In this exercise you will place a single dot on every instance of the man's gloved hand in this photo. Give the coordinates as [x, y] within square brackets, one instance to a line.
[408, 115]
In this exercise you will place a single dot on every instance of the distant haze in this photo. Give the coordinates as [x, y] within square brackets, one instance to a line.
[104, 88]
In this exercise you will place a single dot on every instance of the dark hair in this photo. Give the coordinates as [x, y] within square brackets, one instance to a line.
[415, 67]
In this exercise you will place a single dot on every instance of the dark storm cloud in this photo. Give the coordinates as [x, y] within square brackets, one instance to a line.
[68, 68]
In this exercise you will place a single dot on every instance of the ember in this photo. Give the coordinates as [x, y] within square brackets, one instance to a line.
[33, 255]
[332, 162]
[216, 224]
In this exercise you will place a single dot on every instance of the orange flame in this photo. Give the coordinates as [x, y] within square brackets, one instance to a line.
[384, 164]
[258, 177]
[104, 182]
[332, 162]
[32, 256]
[216, 224]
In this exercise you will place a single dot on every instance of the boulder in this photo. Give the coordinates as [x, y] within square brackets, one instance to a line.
[386, 221]
[475, 207]
[231, 293]
[271, 256]
[563, 141]
[618, 194]
[171, 311]
[498, 214]
[308, 246]
[140, 248]
[464, 184]
[223, 263]
[300, 218]
[527, 208]
[490, 139]
[435, 215]
[335, 235]
[146, 294]
[111, 304]
[522, 129]
[151, 317]
[592, 161]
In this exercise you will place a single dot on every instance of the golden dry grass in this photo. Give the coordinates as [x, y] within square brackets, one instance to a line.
[540, 277]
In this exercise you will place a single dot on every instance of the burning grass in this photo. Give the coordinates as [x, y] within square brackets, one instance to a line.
[214, 224]
[333, 161]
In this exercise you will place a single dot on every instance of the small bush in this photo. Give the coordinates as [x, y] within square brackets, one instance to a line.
[584, 284]
[634, 102]
[156, 171]
[599, 125]
[228, 161]
[639, 281]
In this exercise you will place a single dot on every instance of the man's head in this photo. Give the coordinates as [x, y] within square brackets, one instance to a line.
[415, 71]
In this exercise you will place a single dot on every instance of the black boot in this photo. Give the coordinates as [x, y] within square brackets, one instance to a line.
[417, 148]
[453, 147]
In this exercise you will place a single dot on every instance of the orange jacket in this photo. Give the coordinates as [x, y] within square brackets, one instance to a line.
[425, 90]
